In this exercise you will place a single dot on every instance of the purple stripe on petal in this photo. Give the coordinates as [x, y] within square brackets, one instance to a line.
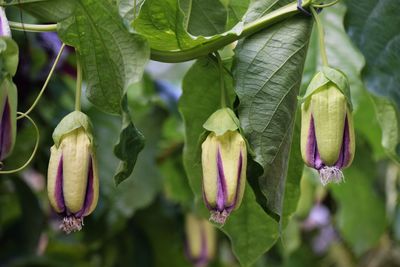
[203, 259]
[5, 131]
[311, 144]
[221, 184]
[89, 192]
[318, 164]
[345, 151]
[58, 192]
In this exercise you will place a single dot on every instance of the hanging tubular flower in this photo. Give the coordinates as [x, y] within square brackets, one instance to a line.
[8, 117]
[200, 241]
[73, 182]
[327, 132]
[224, 163]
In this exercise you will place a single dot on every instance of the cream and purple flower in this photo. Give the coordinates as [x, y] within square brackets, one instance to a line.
[327, 132]
[200, 240]
[73, 182]
[224, 162]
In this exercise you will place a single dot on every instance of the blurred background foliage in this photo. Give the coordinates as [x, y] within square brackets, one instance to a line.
[140, 221]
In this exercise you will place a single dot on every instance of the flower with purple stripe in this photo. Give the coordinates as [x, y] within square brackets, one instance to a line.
[224, 161]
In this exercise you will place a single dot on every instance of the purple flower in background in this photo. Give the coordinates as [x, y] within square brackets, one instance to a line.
[200, 242]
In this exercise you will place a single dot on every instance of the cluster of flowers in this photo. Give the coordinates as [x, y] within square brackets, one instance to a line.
[327, 145]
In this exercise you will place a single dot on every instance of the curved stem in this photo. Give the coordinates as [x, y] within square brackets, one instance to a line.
[45, 83]
[34, 150]
[221, 80]
[78, 92]
[221, 41]
[321, 37]
[32, 27]
[205, 48]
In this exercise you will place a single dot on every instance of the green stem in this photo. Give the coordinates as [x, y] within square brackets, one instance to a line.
[33, 27]
[78, 92]
[321, 37]
[45, 83]
[34, 149]
[221, 41]
[205, 48]
[221, 80]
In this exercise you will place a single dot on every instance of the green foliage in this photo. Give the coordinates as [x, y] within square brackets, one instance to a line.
[139, 221]
[267, 87]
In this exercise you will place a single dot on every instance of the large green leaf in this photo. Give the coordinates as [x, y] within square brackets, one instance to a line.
[251, 231]
[361, 214]
[112, 57]
[163, 24]
[373, 25]
[268, 75]
[291, 192]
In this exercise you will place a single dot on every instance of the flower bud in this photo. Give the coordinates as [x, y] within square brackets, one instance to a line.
[8, 117]
[4, 26]
[73, 182]
[200, 241]
[224, 162]
[327, 133]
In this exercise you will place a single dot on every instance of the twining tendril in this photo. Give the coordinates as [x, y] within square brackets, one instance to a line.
[22, 115]
[44, 85]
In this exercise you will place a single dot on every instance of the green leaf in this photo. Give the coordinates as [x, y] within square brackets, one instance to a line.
[200, 98]
[128, 11]
[47, 10]
[251, 231]
[373, 26]
[204, 17]
[291, 193]
[268, 75]
[388, 119]
[112, 57]
[359, 202]
[163, 24]
[236, 11]
[128, 147]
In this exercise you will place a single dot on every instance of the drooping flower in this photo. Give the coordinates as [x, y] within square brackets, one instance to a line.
[200, 241]
[73, 182]
[224, 164]
[327, 132]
